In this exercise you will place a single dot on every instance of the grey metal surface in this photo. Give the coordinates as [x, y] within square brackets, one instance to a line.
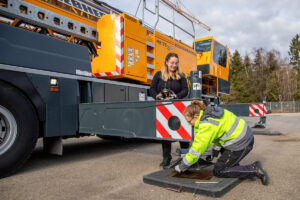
[62, 106]
[136, 94]
[237, 109]
[114, 93]
[214, 188]
[63, 75]
[98, 92]
[32, 50]
[130, 119]
[13, 10]
[196, 84]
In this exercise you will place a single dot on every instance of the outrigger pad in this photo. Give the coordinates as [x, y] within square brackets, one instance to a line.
[194, 181]
[264, 131]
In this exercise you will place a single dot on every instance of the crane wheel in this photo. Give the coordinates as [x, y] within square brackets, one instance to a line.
[19, 129]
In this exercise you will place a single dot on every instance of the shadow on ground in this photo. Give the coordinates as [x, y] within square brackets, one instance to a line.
[78, 150]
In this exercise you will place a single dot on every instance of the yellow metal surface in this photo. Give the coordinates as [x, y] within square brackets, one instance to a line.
[187, 57]
[218, 70]
[134, 49]
[106, 61]
[210, 83]
[165, 45]
[135, 67]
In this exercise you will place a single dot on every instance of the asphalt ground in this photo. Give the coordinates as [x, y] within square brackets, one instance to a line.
[92, 168]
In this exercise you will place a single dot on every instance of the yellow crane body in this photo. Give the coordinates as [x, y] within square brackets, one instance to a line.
[134, 52]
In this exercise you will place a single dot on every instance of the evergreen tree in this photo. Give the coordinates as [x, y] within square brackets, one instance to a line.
[246, 77]
[295, 52]
[236, 61]
[260, 72]
[295, 61]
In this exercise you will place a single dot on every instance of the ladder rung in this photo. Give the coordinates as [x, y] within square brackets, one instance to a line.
[149, 77]
[150, 55]
[150, 44]
[150, 66]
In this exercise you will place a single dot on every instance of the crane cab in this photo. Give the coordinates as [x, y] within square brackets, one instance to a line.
[213, 60]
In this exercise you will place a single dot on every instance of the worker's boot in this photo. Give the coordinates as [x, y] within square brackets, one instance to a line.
[166, 161]
[260, 173]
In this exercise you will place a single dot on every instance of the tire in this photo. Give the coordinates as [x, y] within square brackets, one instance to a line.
[19, 129]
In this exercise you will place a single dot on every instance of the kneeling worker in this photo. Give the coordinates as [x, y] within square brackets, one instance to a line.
[213, 124]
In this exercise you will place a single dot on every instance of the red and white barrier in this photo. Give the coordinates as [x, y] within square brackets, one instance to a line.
[257, 110]
[164, 111]
[119, 27]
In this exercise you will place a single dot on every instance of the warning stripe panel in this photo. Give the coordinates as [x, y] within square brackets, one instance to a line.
[164, 123]
[180, 106]
[261, 108]
[184, 134]
[164, 111]
[160, 128]
[167, 114]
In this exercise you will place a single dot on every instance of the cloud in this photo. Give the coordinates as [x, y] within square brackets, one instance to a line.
[241, 25]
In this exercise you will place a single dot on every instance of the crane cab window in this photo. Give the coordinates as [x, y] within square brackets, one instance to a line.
[220, 54]
[203, 46]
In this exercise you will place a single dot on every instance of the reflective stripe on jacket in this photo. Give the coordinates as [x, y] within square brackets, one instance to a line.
[219, 126]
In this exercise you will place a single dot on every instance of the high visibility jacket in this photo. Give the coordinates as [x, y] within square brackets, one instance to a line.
[221, 127]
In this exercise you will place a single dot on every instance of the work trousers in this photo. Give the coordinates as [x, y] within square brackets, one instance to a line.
[167, 146]
[227, 166]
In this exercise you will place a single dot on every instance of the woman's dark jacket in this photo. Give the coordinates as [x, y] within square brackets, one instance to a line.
[179, 87]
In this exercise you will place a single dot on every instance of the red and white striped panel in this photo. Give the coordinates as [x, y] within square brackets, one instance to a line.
[119, 29]
[257, 110]
[163, 113]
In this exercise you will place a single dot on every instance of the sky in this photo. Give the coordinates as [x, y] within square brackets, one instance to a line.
[242, 25]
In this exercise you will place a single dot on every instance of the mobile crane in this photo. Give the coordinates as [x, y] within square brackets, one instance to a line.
[75, 68]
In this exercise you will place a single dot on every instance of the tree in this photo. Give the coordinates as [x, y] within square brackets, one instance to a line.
[236, 83]
[259, 75]
[294, 54]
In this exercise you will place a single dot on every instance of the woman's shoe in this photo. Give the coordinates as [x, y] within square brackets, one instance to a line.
[166, 161]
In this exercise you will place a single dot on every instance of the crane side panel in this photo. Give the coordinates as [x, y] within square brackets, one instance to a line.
[106, 61]
[163, 46]
[134, 49]
[187, 58]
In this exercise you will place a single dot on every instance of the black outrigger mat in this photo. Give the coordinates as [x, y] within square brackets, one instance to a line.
[198, 183]
[264, 131]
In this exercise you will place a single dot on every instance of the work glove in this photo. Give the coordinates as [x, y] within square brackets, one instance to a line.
[215, 154]
[159, 97]
[177, 169]
[181, 167]
[173, 95]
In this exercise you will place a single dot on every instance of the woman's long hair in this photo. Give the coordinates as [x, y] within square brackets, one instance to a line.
[194, 108]
[164, 70]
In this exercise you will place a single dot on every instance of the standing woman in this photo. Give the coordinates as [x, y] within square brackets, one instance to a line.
[213, 124]
[170, 77]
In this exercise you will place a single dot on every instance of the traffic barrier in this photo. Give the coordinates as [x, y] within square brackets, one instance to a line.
[257, 110]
